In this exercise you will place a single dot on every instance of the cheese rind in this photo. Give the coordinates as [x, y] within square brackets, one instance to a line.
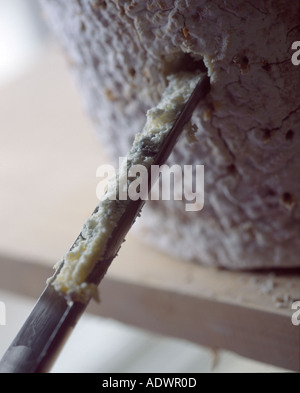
[247, 135]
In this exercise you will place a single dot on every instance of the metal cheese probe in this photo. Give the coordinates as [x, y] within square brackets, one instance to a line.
[43, 334]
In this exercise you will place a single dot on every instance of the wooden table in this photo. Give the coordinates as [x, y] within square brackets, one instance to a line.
[48, 160]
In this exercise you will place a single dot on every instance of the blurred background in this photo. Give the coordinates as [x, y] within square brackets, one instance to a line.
[23, 35]
[48, 160]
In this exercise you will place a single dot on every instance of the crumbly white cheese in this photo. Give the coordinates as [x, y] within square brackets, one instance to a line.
[248, 128]
[90, 247]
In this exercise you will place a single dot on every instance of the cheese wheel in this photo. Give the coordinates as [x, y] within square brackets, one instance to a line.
[245, 133]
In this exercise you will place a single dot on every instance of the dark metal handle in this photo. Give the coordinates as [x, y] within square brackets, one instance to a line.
[36, 346]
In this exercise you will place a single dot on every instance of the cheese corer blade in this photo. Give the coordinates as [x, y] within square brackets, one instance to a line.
[54, 316]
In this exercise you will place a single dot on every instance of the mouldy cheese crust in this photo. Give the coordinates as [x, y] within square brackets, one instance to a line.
[248, 135]
[90, 246]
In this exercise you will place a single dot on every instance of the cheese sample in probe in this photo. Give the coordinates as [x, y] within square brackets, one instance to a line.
[90, 246]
